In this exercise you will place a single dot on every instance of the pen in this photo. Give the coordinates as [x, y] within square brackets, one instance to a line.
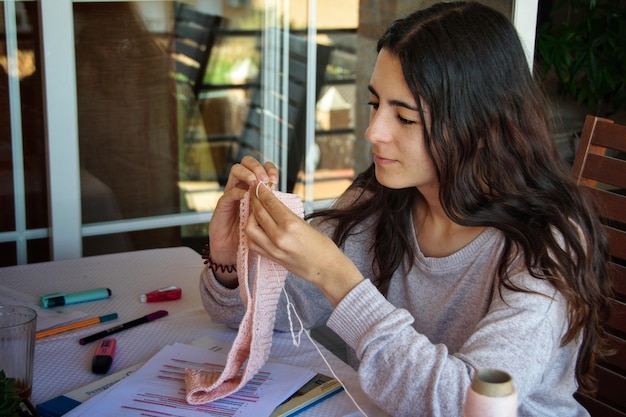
[62, 298]
[127, 325]
[77, 325]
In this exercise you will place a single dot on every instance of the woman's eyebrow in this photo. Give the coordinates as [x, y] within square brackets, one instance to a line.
[398, 103]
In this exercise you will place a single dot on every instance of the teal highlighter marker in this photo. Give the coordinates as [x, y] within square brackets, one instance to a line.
[62, 298]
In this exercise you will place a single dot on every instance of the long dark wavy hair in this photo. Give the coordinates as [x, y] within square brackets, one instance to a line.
[496, 163]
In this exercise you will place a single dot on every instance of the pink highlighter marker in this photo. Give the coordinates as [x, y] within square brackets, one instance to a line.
[162, 294]
[103, 358]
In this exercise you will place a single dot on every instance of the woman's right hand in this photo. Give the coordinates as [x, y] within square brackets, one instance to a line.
[224, 225]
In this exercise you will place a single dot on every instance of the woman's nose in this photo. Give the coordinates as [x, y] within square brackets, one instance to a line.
[378, 130]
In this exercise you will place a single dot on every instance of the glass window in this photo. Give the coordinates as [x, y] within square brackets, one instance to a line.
[22, 139]
[127, 117]
[156, 143]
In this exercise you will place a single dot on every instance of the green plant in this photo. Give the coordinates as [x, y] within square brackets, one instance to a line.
[9, 396]
[584, 45]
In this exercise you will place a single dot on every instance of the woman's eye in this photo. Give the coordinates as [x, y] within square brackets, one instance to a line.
[373, 105]
[405, 121]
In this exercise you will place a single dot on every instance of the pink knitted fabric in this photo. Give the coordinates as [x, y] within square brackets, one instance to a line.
[254, 338]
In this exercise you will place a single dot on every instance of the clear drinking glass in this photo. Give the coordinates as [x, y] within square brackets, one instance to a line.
[17, 345]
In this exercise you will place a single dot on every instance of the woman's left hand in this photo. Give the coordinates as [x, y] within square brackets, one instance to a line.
[276, 233]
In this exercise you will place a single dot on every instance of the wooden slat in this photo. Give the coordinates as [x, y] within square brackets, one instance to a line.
[583, 146]
[617, 362]
[251, 138]
[617, 242]
[610, 135]
[254, 119]
[297, 70]
[597, 408]
[191, 52]
[611, 388]
[618, 276]
[617, 321]
[611, 205]
[188, 71]
[296, 93]
[187, 13]
[605, 169]
[598, 164]
[195, 34]
[298, 46]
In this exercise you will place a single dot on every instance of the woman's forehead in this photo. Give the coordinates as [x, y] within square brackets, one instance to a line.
[387, 76]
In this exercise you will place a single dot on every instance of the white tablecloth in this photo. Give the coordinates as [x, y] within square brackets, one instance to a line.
[62, 364]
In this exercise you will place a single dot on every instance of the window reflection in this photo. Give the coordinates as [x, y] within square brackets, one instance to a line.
[148, 147]
[126, 120]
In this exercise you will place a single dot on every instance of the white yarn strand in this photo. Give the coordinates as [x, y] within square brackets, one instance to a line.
[296, 342]
[297, 338]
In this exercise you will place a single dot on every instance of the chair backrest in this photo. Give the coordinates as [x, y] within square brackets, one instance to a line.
[600, 167]
[250, 139]
[194, 37]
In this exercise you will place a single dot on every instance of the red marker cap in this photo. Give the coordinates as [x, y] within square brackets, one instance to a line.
[162, 294]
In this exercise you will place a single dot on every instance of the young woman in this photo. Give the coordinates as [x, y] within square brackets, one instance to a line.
[465, 245]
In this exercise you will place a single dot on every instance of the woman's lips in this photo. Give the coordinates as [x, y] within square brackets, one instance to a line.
[381, 160]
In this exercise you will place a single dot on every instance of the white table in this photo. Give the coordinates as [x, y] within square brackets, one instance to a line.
[62, 364]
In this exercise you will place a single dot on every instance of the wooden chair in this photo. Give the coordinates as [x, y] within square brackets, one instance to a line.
[600, 167]
[194, 37]
[249, 142]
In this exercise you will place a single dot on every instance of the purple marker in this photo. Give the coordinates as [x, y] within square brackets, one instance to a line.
[127, 325]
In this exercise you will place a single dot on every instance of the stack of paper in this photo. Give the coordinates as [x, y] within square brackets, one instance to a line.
[159, 387]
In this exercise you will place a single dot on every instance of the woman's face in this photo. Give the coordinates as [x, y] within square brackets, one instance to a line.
[395, 129]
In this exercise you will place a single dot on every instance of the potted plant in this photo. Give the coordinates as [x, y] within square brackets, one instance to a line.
[582, 45]
[9, 396]
[11, 404]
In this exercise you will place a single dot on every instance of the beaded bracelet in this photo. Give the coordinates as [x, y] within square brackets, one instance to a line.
[206, 255]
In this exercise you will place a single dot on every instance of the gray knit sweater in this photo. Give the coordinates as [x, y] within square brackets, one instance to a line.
[417, 349]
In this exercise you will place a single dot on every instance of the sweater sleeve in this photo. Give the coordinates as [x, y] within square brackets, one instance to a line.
[407, 375]
[222, 304]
